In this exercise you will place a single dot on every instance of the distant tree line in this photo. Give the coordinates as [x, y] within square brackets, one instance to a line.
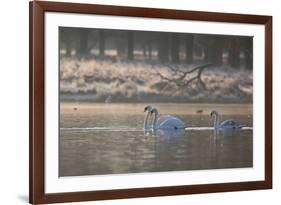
[165, 47]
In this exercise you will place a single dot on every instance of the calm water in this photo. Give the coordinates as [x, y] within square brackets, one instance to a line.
[98, 138]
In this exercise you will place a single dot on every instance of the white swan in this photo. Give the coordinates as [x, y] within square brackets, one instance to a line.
[227, 124]
[166, 121]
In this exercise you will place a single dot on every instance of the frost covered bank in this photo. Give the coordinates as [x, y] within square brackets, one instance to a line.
[113, 81]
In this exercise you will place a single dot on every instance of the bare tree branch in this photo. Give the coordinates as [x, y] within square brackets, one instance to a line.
[179, 76]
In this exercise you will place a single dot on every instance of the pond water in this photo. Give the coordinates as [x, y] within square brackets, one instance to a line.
[99, 138]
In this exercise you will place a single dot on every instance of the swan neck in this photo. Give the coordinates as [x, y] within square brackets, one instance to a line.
[155, 119]
[145, 121]
[216, 119]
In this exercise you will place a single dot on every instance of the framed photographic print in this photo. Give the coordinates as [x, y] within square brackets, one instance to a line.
[139, 102]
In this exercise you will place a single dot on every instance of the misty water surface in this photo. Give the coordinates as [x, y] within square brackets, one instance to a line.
[98, 138]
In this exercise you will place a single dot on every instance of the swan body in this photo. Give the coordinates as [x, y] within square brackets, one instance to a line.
[227, 124]
[166, 121]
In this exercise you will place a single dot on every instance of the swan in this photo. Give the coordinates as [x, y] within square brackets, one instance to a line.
[147, 109]
[227, 124]
[166, 121]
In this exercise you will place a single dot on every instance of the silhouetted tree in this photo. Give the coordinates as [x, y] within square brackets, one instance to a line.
[248, 52]
[83, 48]
[101, 42]
[175, 39]
[215, 50]
[219, 47]
[120, 39]
[189, 39]
[234, 53]
[163, 47]
[130, 45]
[169, 46]
[67, 37]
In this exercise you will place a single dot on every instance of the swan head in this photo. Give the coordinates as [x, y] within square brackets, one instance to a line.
[154, 110]
[148, 108]
[214, 113]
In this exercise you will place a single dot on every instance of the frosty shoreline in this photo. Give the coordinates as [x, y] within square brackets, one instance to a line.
[107, 81]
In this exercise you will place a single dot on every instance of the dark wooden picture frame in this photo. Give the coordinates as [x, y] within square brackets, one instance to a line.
[37, 10]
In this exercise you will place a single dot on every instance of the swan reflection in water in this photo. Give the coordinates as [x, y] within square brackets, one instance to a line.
[225, 132]
[165, 133]
[168, 133]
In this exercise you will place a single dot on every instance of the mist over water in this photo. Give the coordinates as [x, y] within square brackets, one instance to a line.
[99, 138]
